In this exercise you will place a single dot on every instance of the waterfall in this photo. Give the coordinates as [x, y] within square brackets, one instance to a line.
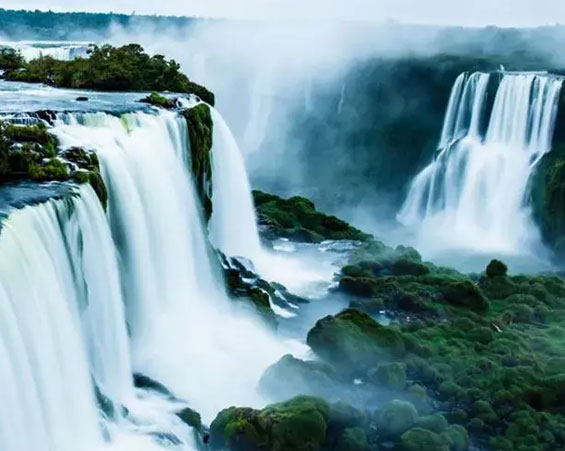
[233, 225]
[62, 328]
[63, 51]
[184, 330]
[474, 193]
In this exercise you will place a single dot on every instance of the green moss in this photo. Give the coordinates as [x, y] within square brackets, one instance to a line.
[299, 424]
[191, 418]
[54, 169]
[200, 132]
[159, 100]
[353, 340]
[353, 439]
[466, 294]
[297, 219]
[395, 417]
[435, 423]
[418, 439]
[391, 375]
[496, 268]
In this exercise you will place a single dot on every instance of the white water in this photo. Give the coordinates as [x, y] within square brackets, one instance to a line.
[62, 322]
[473, 195]
[64, 51]
[233, 225]
[184, 331]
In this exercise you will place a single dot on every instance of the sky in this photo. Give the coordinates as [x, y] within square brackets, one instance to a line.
[445, 12]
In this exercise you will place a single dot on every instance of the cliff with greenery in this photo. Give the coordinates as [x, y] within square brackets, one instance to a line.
[200, 132]
[298, 220]
[108, 68]
[30, 152]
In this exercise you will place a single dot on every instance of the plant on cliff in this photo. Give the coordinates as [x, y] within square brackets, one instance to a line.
[297, 219]
[108, 68]
[200, 131]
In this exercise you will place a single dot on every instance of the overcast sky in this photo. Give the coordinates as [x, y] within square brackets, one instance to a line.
[454, 12]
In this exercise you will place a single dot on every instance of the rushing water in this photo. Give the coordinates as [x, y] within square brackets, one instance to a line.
[60, 50]
[184, 331]
[473, 195]
[63, 321]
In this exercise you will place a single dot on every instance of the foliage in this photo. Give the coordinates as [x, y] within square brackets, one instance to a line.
[298, 220]
[108, 68]
[10, 59]
[158, 100]
[200, 132]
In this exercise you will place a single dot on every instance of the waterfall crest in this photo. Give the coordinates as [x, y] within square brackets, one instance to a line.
[474, 193]
[184, 330]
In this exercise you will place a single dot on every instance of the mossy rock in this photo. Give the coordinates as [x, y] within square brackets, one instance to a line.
[435, 422]
[191, 418]
[53, 169]
[496, 268]
[407, 267]
[418, 439]
[466, 294]
[353, 340]
[298, 220]
[391, 375]
[290, 376]
[299, 424]
[395, 417]
[352, 439]
[159, 100]
[200, 135]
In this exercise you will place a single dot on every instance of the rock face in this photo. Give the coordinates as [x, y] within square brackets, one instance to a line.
[30, 152]
[200, 131]
[298, 220]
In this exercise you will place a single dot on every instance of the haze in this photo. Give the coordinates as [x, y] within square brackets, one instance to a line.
[444, 12]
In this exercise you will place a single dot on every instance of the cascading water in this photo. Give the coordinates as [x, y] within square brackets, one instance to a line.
[64, 51]
[63, 321]
[184, 331]
[474, 193]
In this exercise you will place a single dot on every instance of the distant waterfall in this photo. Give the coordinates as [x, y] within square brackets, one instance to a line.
[184, 331]
[63, 51]
[474, 193]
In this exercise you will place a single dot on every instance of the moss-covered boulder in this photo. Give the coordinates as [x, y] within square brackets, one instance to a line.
[290, 377]
[418, 439]
[200, 133]
[159, 100]
[395, 417]
[300, 424]
[353, 439]
[298, 220]
[191, 417]
[466, 294]
[354, 341]
[496, 268]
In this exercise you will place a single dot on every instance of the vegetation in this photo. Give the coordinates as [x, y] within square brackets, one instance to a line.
[487, 349]
[200, 132]
[158, 100]
[310, 424]
[30, 152]
[297, 219]
[108, 68]
[10, 59]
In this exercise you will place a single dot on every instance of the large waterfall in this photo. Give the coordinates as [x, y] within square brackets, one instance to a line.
[63, 321]
[184, 331]
[474, 194]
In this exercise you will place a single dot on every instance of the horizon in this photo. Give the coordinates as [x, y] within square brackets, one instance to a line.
[505, 14]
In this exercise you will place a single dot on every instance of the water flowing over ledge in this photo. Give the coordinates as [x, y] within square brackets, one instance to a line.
[474, 194]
